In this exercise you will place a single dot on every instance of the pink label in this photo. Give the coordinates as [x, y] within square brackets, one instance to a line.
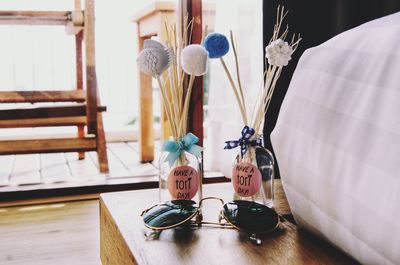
[246, 179]
[183, 182]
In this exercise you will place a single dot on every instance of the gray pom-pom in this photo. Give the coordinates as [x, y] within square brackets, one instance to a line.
[149, 43]
[154, 59]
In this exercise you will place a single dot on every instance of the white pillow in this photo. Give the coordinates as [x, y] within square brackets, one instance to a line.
[337, 141]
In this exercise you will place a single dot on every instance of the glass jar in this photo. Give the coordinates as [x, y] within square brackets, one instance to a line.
[253, 175]
[182, 180]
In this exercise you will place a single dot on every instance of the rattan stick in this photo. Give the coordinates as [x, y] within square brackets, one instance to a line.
[261, 113]
[258, 99]
[167, 107]
[238, 74]
[269, 97]
[204, 34]
[172, 88]
[265, 93]
[183, 122]
[234, 90]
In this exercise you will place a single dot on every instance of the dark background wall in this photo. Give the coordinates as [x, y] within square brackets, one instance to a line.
[316, 21]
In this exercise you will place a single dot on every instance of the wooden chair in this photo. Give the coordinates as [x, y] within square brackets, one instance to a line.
[83, 108]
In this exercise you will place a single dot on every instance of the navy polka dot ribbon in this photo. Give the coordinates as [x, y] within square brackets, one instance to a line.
[244, 142]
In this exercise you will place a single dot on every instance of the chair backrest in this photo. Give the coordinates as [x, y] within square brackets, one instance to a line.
[75, 21]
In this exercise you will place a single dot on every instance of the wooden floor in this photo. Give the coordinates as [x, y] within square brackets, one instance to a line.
[62, 233]
[35, 178]
[40, 171]
[49, 234]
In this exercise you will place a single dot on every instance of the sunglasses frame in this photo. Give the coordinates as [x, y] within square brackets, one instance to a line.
[199, 222]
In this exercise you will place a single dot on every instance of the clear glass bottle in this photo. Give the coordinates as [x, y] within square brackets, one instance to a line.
[253, 175]
[182, 180]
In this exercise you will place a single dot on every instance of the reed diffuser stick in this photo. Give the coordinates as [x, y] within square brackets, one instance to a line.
[183, 122]
[241, 107]
[167, 107]
[238, 74]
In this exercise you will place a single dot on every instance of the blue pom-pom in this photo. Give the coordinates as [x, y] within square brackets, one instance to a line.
[216, 44]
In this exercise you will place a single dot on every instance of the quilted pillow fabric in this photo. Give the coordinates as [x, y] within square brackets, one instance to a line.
[337, 141]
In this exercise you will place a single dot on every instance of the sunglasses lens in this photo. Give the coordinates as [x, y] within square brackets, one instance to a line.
[250, 216]
[169, 214]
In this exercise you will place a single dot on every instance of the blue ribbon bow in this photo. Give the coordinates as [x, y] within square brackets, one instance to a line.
[175, 148]
[244, 141]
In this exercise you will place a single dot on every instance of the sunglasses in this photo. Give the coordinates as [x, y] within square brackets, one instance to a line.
[246, 216]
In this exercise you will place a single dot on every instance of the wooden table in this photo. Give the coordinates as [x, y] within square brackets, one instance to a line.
[122, 239]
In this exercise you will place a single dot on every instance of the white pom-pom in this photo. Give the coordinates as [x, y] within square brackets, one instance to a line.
[194, 59]
[278, 53]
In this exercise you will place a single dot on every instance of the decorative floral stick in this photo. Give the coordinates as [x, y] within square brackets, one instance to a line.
[194, 63]
[217, 46]
[278, 55]
[180, 60]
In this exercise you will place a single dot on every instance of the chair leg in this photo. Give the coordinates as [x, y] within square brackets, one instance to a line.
[79, 75]
[81, 134]
[146, 130]
[101, 145]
